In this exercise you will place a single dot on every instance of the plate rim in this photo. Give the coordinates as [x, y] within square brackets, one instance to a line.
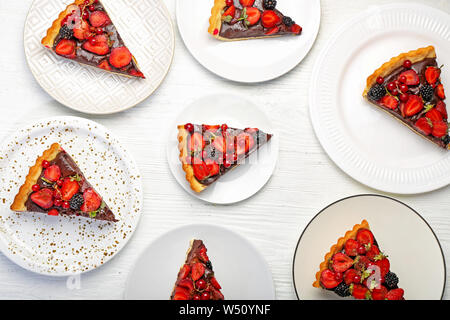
[360, 196]
[312, 101]
[3, 144]
[125, 295]
[151, 92]
[169, 139]
[267, 77]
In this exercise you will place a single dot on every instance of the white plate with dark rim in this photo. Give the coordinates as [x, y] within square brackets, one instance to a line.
[156, 270]
[363, 141]
[408, 240]
[245, 180]
[61, 246]
[147, 30]
[270, 58]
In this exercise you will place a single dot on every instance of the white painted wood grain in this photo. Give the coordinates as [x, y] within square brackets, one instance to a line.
[304, 182]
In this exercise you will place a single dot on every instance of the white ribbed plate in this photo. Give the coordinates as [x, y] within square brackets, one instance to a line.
[61, 246]
[363, 141]
[145, 26]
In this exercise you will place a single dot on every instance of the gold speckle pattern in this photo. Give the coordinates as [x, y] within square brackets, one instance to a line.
[68, 245]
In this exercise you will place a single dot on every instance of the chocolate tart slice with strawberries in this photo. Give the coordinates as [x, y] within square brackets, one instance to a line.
[409, 88]
[56, 186]
[355, 266]
[233, 20]
[84, 32]
[207, 152]
[196, 280]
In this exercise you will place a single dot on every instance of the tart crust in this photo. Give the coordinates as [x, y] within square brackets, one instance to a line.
[33, 176]
[396, 62]
[188, 169]
[351, 234]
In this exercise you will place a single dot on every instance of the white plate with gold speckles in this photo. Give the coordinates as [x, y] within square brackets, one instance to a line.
[60, 246]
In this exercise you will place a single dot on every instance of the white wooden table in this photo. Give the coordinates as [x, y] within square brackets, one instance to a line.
[304, 181]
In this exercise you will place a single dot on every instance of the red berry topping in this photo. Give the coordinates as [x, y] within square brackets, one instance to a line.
[66, 205]
[59, 182]
[99, 31]
[341, 262]
[384, 266]
[205, 296]
[389, 102]
[104, 64]
[120, 57]
[403, 88]
[92, 201]
[247, 3]
[391, 86]
[412, 78]
[295, 28]
[181, 294]
[58, 202]
[35, 187]
[66, 47]
[185, 270]
[224, 128]
[230, 12]
[202, 254]
[272, 31]
[200, 284]
[213, 167]
[196, 142]
[198, 270]
[440, 129]
[440, 91]
[186, 283]
[350, 276]
[98, 45]
[189, 127]
[69, 188]
[365, 237]
[85, 15]
[379, 294]
[215, 283]
[328, 279]
[229, 3]
[270, 19]
[196, 297]
[136, 73]
[45, 164]
[99, 19]
[227, 163]
[407, 64]
[380, 80]
[201, 171]
[395, 294]
[413, 106]
[361, 249]
[245, 142]
[339, 276]
[52, 173]
[57, 193]
[253, 16]
[53, 212]
[216, 31]
[362, 263]
[432, 74]
[43, 198]
[351, 247]
[373, 252]
[402, 79]
[220, 144]
[359, 291]
[434, 115]
[442, 108]
[404, 97]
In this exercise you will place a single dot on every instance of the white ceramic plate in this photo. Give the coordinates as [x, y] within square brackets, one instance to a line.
[61, 246]
[410, 243]
[238, 266]
[363, 141]
[250, 60]
[245, 180]
[147, 30]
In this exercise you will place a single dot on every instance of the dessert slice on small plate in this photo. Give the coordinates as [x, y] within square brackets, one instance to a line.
[196, 280]
[56, 186]
[356, 266]
[249, 19]
[409, 88]
[84, 32]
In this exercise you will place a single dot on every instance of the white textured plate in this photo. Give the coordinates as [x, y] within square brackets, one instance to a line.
[147, 30]
[245, 180]
[413, 249]
[61, 246]
[238, 266]
[250, 60]
[363, 141]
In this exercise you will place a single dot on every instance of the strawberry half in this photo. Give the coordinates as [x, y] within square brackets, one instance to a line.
[432, 74]
[197, 142]
[384, 266]
[99, 19]
[247, 3]
[272, 31]
[69, 188]
[373, 252]
[104, 65]
[185, 270]
[52, 173]
[395, 294]
[351, 247]
[229, 13]
[101, 46]
[365, 237]
[92, 201]
[424, 125]
[187, 284]
[442, 108]
[349, 276]
[341, 262]
[81, 32]
[434, 115]
[359, 291]
[201, 171]
[181, 294]
[213, 167]
[198, 270]
[389, 102]
[215, 283]
[328, 279]
[66, 48]
[202, 254]
[412, 78]
[413, 105]
[295, 28]
[379, 294]
[253, 16]
[440, 129]
[43, 198]
[270, 19]
[120, 57]
[440, 92]
[244, 143]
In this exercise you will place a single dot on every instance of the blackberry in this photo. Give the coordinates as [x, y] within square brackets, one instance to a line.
[76, 202]
[288, 21]
[391, 280]
[342, 290]
[65, 32]
[377, 92]
[426, 92]
[270, 4]
[209, 265]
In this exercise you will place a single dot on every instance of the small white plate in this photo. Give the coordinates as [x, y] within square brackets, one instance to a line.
[250, 60]
[413, 249]
[61, 246]
[145, 26]
[363, 141]
[238, 266]
[245, 180]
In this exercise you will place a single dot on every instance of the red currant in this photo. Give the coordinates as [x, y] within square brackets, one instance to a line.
[403, 88]
[58, 202]
[394, 92]
[407, 64]
[200, 284]
[205, 296]
[35, 187]
[361, 250]
[404, 97]
[91, 8]
[402, 79]
[66, 205]
[229, 3]
[196, 297]
[224, 128]
[53, 212]
[56, 194]
[45, 164]
[357, 279]
[85, 15]
[99, 30]
[189, 127]
[380, 80]
[86, 2]
[227, 163]
[391, 86]
[93, 41]
[59, 182]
